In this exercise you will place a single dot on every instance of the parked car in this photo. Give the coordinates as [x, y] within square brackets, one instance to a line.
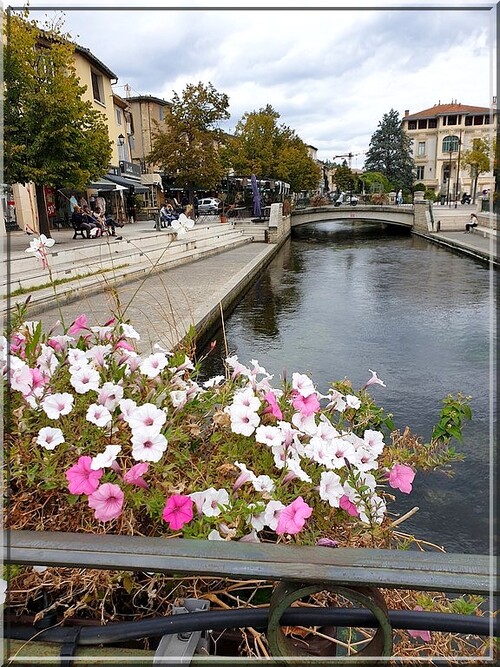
[346, 199]
[208, 205]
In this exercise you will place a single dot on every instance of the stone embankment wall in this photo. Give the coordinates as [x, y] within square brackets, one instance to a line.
[279, 225]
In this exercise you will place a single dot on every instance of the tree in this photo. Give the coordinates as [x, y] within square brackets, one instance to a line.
[375, 181]
[390, 152]
[52, 137]
[477, 161]
[263, 147]
[186, 145]
[344, 178]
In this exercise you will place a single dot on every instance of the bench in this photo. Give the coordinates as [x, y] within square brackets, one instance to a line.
[485, 231]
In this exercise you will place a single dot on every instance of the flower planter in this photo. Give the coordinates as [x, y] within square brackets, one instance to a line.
[223, 218]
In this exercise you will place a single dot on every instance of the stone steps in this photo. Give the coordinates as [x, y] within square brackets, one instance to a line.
[107, 254]
[132, 260]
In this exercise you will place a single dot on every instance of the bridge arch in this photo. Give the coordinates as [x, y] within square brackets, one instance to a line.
[402, 216]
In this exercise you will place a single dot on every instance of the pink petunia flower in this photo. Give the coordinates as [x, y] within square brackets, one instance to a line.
[134, 475]
[124, 345]
[306, 405]
[293, 517]
[178, 511]
[423, 634]
[81, 478]
[348, 506]
[80, 324]
[273, 408]
[401, 477]
[107, 501]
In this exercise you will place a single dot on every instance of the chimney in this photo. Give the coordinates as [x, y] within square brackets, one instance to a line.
[407, 112]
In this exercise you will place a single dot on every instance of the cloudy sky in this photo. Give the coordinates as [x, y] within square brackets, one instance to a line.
[331, 73]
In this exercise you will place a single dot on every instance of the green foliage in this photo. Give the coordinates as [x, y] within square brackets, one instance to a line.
[52, 137]
[430, 195]
[453, 414]
[185, 145]
[477, 160]
[390, 152]
[344, 179]
[262, 147]
[376, 182]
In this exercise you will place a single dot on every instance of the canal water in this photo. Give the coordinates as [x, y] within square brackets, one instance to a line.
[341, 298]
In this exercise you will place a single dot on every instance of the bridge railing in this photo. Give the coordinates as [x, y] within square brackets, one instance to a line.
[355, 574]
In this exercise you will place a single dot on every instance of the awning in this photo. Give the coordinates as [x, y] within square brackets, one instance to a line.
[126, 182]
[151, 179]
[102, 185]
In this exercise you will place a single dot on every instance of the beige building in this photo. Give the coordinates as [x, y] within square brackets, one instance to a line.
[440, 135]
[145, 109]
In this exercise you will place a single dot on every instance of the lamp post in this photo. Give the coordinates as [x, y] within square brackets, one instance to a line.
[458, 168]
[449, 178]
[121, 140]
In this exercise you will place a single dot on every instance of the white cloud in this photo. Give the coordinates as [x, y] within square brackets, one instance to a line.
[330, 74]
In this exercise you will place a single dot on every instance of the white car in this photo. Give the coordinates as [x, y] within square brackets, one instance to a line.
[208, 205]
[346, 199]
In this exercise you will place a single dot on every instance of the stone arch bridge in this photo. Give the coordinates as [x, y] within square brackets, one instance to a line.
[403, 216]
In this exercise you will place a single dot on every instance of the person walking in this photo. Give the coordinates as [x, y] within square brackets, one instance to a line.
[469, 226]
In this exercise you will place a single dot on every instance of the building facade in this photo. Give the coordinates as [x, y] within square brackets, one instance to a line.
[439, 137]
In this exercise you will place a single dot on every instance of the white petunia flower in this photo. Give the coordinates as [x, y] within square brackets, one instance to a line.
[129, 331]
[154, 364]
[352, 401]
[110, 395]
[214, 500]
[213, 382]
[330, 488]
[302, 384]
[263, 483]
[106, 458]
[243, 420]
[49, 437]
[272, 513]
[85, 379]
[148, 445]
[56, 405]
[147, 416]
[98, 415]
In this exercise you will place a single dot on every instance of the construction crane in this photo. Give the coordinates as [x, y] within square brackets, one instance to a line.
[349, 156]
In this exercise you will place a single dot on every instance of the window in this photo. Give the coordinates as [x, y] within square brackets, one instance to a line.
[131, 141]
[433, 123]
[450, 144]
[450, 120]
[118, 116]
[162, 113]
[422, 124]
[468, 120]
[97, 87]
[420, 173]
[421, 149]
[412, 124]
[478, 120]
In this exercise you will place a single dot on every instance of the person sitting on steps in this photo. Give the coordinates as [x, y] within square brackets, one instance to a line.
[471, 224]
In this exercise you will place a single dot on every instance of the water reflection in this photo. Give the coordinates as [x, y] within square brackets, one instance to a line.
[341, 298]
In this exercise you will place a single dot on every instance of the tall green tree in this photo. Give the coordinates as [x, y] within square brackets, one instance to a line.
[390, 152]
[477, 161]
[187, 143]
[344, 178]
[268, 149]
[52, 137]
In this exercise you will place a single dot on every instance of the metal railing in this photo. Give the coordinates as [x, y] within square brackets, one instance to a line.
[354, 574]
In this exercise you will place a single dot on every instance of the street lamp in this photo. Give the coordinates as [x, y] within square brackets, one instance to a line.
[121, 140]
[449, 178]
[458, 168]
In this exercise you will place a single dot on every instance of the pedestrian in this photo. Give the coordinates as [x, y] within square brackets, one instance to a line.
[399, 197]
[469, 226]
[195, 206]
